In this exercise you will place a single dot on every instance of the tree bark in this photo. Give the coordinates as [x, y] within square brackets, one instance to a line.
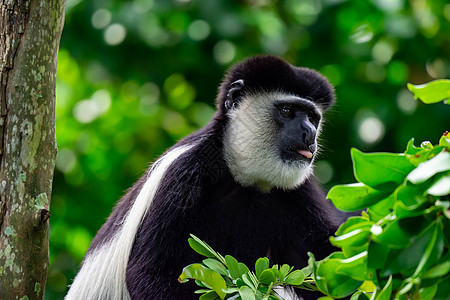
[30, 32]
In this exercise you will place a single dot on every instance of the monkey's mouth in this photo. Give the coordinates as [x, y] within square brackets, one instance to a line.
[306, 153]
[292, 153]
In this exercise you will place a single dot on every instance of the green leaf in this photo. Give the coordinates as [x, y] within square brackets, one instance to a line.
[359, 296]
[307, 270]
[433, 251]
[284, 270]
[356, 267]
[432, 92]
[381, 171]
[230, 290]
[353, 238]
[204, 249]
[320, 282]
[400, 233]
[356, 196]
[353, 223]
[445, 140]
[424, 155]
[426, 170]
[295, 278]
[246, 293]
[441, 187]
[216, 266]
[405, 289]
[438, 270]
[411, 196]
[200, 248]
[248, 281]
[267, 277]
[335, 284]
[378, 254]
[411, 149]
[275, 271]
[233, 266]
[261, 265]
[211, 278]
[382, 208]
[243, 269]
[427, 293]
[410, 257]
[211, 295]
[240, 283]
[202, 291]
[385, 293]
[443, 289]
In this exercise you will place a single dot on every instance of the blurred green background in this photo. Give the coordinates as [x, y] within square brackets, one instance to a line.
[136, 76]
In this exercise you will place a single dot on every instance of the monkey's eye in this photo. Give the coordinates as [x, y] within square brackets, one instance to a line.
[311, 119]
[287, 112]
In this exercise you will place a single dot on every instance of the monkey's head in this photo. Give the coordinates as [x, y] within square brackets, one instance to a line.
[273, 112]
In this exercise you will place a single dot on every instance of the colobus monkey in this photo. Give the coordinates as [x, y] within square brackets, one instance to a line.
[243, 183]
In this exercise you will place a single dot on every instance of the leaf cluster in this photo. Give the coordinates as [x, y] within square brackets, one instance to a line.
[399, 246]
[225, 278]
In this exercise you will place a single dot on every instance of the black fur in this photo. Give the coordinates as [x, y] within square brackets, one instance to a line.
[198, 195]
[269, 73]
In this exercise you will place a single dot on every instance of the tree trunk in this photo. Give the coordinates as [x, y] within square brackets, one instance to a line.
[30, 31]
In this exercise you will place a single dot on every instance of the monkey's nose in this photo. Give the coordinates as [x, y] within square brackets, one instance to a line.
[309, 138]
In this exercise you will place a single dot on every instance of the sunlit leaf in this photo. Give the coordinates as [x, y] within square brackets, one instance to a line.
[248, 282]
[233, 266]
[267, 276]
[425, 170]
[367, 286]
[337, 284]
[438, 270]
[441, 187]
[411, 149]
[411, 196]
[211, 278]
[352, 197]
[432, 92]
[246, 293]
[295, 278]
[445, 140]
[216, 266]
[391, 169]
[261, 265]
[243, 269]
[203, 248]
[356, 267]
[284, 269]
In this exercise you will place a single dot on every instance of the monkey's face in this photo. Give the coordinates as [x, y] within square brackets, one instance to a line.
[298, 121]
[271, 140]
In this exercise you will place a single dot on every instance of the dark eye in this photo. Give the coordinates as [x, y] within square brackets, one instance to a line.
[287, 112]
[311, 119]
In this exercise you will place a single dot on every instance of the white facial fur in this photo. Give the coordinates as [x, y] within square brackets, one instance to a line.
[250, 146]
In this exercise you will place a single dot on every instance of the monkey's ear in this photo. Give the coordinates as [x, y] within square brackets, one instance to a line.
[235, 92]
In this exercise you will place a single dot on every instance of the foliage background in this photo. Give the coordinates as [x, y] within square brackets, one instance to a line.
[136, 76]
